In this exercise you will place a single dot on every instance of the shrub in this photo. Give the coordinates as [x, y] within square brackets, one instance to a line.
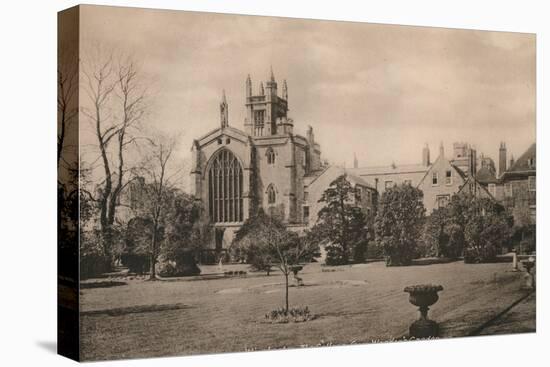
[136, 263]
[374, 251]
[92, 260]
[184, 265]
[294, 314]
[399, 223]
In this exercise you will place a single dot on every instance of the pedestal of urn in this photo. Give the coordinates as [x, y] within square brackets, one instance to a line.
[423, 296]
[530, 279]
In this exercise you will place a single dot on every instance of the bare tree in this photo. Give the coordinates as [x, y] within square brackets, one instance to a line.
[67, 103]
[159, 191]
[117, 105]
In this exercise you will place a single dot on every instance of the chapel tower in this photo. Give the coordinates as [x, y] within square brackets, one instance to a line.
[266, 112]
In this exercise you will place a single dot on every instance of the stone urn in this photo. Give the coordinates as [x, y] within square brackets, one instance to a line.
[529, 265]
[423, 296]
[295, 269]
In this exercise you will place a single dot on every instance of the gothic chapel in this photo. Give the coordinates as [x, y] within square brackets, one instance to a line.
[235, 172]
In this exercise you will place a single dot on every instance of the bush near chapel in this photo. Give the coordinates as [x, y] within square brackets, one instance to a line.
[398, 224]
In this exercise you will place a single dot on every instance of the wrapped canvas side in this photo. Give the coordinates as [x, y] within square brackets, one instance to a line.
[68, 185]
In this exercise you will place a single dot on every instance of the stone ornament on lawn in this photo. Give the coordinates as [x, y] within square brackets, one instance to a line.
[529, 264]
[423, 296]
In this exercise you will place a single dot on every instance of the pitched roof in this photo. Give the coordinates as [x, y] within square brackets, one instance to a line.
[434, 164]
[522, 163]
[391, 169]
[478, 185]
[338, 171]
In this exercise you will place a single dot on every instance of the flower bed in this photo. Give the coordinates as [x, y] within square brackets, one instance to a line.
[294, 314]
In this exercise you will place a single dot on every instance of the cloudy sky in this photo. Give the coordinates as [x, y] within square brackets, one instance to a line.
[378, 90]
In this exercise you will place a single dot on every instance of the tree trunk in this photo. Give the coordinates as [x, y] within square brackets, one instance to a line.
[286, 293]
[152, 271]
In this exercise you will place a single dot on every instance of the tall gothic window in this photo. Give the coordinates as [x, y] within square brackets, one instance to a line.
[270, 156]
[271, 195]
[225, 188]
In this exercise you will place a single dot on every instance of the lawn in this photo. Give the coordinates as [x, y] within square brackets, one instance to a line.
[357, 304]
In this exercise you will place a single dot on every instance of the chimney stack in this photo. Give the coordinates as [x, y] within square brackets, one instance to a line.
[426, 156]
[502, 158]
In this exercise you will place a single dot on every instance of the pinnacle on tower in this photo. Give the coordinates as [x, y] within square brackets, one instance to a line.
[272, 78]
[224, 113]
[285, 91]
[248, 86]
[262, 92]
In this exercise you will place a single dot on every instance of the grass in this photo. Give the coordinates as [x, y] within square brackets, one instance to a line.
[355, 304]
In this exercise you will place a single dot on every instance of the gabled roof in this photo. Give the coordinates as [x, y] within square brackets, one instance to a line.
[338, 171]
[228, 130]
[434, 164]
[522, 163]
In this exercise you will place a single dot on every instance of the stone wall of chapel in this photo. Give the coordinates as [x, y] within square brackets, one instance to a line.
[300, 159]
[276, 174]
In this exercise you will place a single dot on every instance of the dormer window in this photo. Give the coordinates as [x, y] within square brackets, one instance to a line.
[270, 154]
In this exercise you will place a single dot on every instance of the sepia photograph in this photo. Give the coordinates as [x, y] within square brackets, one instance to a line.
[233, 183]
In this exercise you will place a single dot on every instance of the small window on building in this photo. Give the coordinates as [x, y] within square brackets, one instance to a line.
[388, 184]
[358, 193]
[448, 177]
[271, 195]
[305, 210]
[227, 141]
[493, 189]
[220, 141]
[532, 181]
[508, 189]
[306, 196]
[442, 200]
[435, 178]
[270, 153]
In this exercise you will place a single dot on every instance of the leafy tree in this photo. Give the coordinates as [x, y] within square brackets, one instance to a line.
[136, 255]
[183, 235]
[341, 224]
[436, 234]
[399, 223]
[487, 230]
[267, 237]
